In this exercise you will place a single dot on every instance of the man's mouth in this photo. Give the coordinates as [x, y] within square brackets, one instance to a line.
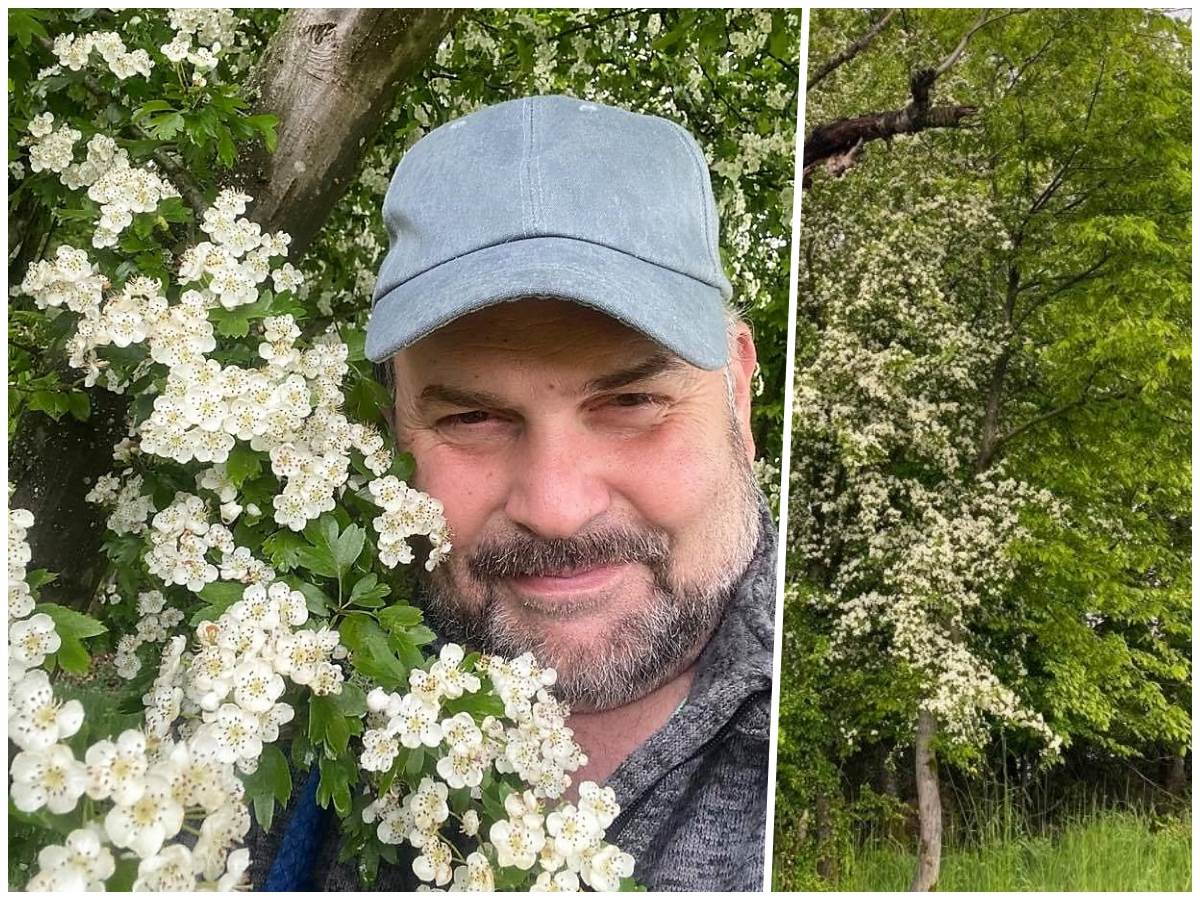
[567, 582]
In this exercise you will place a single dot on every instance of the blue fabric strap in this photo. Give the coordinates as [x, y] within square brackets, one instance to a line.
[292, 869]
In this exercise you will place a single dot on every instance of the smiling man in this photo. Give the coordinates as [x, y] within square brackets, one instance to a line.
[553, 318]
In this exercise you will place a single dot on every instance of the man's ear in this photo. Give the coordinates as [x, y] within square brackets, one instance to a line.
[743, 362]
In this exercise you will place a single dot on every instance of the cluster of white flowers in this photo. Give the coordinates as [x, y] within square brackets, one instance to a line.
[151, 785]
[201, 36]
[74, 52]
[121, 189]
[155, 623]
[289, 407]
[180, 540]
[50, 149]
[20, 599]
[130, 506]
[236, 678]
[566, 845]
[407, 512]
[31, 638]
[169, 795]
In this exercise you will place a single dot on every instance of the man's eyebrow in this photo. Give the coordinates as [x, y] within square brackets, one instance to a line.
[656, 364]
[435, 393]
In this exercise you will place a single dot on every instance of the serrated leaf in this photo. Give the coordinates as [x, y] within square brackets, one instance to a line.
[421, 635]
[336, 777]
[317, 560]
[80, 405]
[400, 617]
[243, 463]
[327, 725]
[351, 700]
[368, 592]
[71, 627]
[371, 654]
[281, 548]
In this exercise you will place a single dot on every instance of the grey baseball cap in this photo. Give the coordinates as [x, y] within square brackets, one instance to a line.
[553, 196]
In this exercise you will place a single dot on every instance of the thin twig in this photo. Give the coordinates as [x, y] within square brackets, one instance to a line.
[855, 48]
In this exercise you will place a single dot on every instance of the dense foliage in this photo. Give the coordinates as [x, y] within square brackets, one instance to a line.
[242, 607]
[990, 499]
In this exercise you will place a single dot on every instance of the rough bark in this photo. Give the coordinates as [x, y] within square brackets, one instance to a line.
[929, 804]
[331, 76]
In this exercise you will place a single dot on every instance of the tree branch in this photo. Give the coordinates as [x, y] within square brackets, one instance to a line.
[1082, 399]
[841, 141]
[851, 51]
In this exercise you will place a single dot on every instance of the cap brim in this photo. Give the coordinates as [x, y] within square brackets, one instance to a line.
[685, 315]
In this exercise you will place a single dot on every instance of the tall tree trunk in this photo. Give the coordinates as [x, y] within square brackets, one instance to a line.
[330, 75]
[826, 857]
[929, 805]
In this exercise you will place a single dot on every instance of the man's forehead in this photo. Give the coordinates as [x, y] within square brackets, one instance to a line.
[538, 333]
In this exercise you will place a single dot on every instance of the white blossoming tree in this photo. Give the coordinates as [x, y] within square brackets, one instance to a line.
[230, 621]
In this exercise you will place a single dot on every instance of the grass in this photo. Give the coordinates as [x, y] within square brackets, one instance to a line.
[1102, 850]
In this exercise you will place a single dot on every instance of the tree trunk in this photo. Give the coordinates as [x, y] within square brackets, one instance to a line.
[330, 76]
[929, 804]
[1176, 780]
[826, 858]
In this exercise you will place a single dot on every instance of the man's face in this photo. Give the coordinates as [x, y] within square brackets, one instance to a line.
[597, 488]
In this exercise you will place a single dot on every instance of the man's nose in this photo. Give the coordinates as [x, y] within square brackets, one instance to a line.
[557, 487]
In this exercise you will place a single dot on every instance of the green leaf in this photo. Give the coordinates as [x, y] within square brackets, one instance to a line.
[154, 106]
[415, 762]
[318, 602]
[348, 547]
[52, 403]
[23, 24]
[351, 701]
[421, 635]
[80, 405]
[368, 592]
[269, 784]
[220, 596]
[265, 124]
[282, 549]
[478, 705]
[39, 577]
[336, 778]
[327, 725]
[243, 463]
[400, 617]
[317, 560]
[226, 151]
[370, 652]
[72, 627]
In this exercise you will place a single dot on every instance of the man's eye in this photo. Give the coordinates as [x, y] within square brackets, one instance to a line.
[632, 400]
[474, 417]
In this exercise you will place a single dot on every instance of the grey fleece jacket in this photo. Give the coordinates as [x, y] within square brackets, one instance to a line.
[693, 797]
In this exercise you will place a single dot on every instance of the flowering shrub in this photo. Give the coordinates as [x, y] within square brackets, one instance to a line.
[255, 614]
